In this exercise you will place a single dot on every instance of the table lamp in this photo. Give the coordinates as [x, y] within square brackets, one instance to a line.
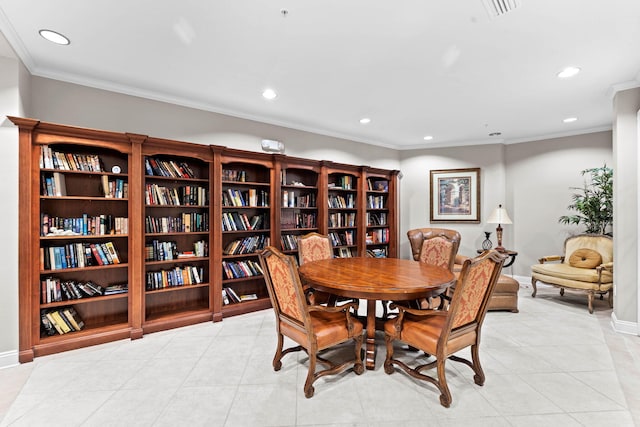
[499, 216]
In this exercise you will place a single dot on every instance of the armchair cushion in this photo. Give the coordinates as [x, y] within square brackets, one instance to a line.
[585, 258]
[572, 277]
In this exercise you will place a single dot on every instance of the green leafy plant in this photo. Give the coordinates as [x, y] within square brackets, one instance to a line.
[593, 202]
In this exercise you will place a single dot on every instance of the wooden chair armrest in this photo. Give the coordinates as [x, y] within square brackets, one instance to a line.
[334, 308]
[550, 258]
[607, 266]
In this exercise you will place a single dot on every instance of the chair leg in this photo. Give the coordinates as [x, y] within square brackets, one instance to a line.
[277, 363]
[308, 385]
[445, 394]
[388, 365]
[358, 366]
[479, 377]
[535, 289]
[590, 296]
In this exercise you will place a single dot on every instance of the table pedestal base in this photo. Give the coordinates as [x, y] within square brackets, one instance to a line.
[370, 356]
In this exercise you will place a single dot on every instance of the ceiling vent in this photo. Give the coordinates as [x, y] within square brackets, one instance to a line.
[500, 7]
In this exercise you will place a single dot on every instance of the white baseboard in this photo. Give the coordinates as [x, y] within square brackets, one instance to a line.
[623, 326]
[8, 359]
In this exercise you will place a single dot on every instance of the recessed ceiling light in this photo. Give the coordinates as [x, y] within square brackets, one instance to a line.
[495, 134]
[269, 94]
[365, 120]
[54, 37]
[428, 138]
[568, 72]
[570, 119]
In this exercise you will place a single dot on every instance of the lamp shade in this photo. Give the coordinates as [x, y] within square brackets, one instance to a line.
[499, 216]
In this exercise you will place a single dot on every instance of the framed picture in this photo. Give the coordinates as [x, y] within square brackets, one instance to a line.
[455, 195]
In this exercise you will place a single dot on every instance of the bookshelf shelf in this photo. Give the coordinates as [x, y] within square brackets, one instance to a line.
[177, 288]
[178, 205]
[85, 300]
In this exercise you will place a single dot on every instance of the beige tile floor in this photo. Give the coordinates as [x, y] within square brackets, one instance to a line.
[552, 364]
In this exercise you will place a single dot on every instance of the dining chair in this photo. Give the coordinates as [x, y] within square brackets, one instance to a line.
[442, 333]
[435, 246]
[313, 327]
[315, 247]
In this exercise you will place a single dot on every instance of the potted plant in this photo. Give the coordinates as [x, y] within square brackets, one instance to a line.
[593, 202]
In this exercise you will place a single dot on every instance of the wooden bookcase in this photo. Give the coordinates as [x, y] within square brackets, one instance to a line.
[344, 222]
[247, 217]
[298, 199]
[152, 201]
[177, 224]
[380, 213]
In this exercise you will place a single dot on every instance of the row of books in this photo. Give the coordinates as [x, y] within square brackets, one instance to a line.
[247, 245]
[177, 276]
[342, 220]
[346, 182]
[186, 222]
[289, 242]
[169, 168]
[345, 238]
[377, 185]
[54, 289]
[60, 321]
[234, 175]
[290, 220]
[239, 269]
[160, 251]
[290, 200]
[377, 236]
[376, 202]
[78, 255]
[337, 201]
[251, 197]
[376, 218]
[115, 188]
[50, 159]
[377, 252]
[238, 221]
[53, 185]
[99, 225]
[189, 195]
[344, 253]
[229, 296]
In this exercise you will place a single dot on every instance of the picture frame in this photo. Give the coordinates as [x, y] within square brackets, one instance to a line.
[455, 195]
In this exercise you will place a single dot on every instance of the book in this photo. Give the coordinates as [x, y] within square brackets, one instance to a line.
[59, 185]
[233, 296]
[111, 250]
[73, 317]
[59, 320]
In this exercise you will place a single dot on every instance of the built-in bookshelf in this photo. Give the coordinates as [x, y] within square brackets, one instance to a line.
[298, 201]
[124, 234]
[378, 233]
[177, 201]
[343, 212]
[74, 238]
[246, 219]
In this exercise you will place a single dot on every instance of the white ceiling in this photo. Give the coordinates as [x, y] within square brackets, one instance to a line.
[415, 67]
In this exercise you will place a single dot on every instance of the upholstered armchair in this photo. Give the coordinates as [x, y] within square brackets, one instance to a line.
[313, 327]
[505, 294]
[586, 266]
[441, 333]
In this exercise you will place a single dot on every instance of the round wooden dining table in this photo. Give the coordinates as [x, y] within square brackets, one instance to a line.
[373, 279]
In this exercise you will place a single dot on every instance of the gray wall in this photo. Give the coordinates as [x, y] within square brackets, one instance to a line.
[9, 105]
[539, 175]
